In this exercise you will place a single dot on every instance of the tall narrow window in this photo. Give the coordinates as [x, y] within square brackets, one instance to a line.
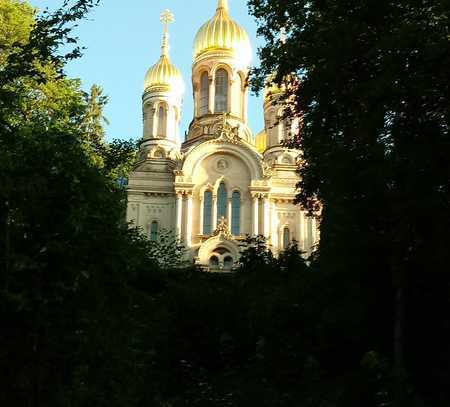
[204, 94]
[162, 120]
[207, 213]
[154, 231]
[286, 238]
[236, 213]
[221, 202]
[221, 96]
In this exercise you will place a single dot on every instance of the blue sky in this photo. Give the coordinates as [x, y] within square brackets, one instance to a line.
[122, 41]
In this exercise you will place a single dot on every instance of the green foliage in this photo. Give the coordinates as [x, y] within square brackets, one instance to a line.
[255, 255]
[115, 158]
[16, 20]
[168, 251]
[64, 266]
[370, 82]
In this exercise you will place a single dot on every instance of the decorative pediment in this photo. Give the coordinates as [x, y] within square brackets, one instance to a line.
[227, 133]
[222, 229]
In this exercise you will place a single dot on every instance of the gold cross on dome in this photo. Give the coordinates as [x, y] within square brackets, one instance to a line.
[167, 17]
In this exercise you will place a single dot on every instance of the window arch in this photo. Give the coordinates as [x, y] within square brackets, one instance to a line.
[214, 261]
[286, 237]
[236, 213]
[228, 263]
[204, 94]
[162, 121]
[221, 95]
[148, 120]
[154, 231]
[221, 202]
[207, 213]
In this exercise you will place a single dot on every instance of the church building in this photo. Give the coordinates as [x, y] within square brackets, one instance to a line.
[221, 182]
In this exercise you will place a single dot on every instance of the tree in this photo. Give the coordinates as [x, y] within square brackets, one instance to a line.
[66, 282]
[16, 20]
[370, 82]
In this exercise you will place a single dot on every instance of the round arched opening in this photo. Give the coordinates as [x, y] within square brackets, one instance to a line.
[228, 263]
[214, 261]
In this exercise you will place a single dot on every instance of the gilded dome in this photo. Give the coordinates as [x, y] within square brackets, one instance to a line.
[222, 33]
[261, 141]
[164, 75]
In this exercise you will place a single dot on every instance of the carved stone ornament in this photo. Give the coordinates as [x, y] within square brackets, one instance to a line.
[222, 229]
[222, 165]
[227, 133]
[267, 170]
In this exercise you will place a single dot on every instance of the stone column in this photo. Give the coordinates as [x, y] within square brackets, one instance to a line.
[189, 216]
[201, 216]
[196, 91]
[245, 104]
[212, 92]
[229, 214]
[305, 232]
[274, 233]
[266, 212]
[255, 215]
[214, 213]
[154, 123]
[179, 214]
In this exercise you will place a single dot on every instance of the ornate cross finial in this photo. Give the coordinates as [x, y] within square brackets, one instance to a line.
[167, 18]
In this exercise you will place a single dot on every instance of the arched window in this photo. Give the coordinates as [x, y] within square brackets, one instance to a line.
[214, 261]
[204, 94]
[236, 213]
[228, 263]
[221, 202]
[221, 96]
[286, 238]
[148, 121]
[162, 120]
[207, 213]
[154, 231]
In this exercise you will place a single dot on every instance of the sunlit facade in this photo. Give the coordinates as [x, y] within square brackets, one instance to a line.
[220, 183]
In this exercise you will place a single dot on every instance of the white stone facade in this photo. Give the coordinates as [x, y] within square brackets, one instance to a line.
[221, 183]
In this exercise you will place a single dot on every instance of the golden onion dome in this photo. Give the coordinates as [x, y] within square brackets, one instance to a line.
[261, 141]
[164, 76]
[222, 33]
[271, 89]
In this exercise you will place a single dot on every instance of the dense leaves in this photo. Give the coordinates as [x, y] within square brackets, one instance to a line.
[64, 244]
[373, 95]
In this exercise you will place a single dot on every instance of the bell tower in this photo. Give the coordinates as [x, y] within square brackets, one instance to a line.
[221, 60]
[162, 99]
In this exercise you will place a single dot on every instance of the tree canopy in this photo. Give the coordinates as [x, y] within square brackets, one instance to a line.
[370, 83]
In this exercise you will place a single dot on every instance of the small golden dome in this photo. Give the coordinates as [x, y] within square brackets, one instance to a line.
[271, 89]
[222, 33]
[164, 75]
[261, 141]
